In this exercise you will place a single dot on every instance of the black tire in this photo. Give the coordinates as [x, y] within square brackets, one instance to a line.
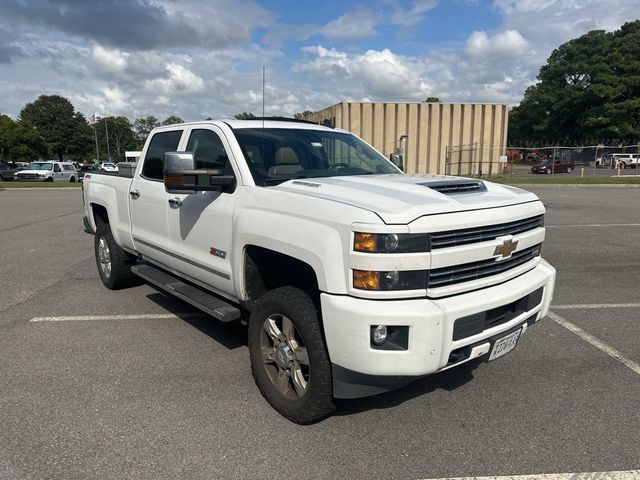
[72, 180]
[315, 402]
[50, 179]
[119, 274]
[548, 172]
[569, 170]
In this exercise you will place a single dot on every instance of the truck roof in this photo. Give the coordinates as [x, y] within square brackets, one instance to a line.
[257, 123]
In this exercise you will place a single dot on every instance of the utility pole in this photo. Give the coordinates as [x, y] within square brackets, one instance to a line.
[106, 129]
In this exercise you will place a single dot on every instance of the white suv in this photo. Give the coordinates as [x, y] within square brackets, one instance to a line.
[48, 171]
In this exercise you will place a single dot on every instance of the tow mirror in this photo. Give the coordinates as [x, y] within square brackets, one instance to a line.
[397, 160]
[181, 176]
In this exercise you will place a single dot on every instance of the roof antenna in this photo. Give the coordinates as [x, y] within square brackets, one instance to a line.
[263, 89]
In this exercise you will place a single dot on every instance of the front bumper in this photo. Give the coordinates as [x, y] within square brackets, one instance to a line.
[360, 370]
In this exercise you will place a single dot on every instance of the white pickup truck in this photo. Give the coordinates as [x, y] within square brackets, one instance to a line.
[353, 278]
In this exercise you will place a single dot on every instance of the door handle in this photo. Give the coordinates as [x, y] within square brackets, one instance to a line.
[134, 194]
[175, 202]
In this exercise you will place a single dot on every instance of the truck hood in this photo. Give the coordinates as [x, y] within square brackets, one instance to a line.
[400, 199]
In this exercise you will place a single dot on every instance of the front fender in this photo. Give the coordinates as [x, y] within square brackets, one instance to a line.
[319, 245]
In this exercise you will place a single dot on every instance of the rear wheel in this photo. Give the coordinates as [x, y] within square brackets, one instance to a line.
[72, 180]
[114, 264]
[289, 360]
[569, 170]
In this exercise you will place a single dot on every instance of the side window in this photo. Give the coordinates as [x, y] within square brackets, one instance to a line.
[56, 168]
[208, 151]
[154, 159]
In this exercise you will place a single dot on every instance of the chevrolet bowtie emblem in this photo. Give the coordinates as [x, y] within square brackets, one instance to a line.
[505, 249]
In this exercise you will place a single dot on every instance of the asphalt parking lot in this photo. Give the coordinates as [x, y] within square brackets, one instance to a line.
[96, 384]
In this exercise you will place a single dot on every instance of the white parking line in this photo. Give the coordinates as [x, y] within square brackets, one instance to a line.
[595, 342]
[85, 318]
[595, 225]
[619, 475]
[592, 306]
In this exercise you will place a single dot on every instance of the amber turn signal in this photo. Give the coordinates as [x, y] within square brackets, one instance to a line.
[364, 242]
[366, 280]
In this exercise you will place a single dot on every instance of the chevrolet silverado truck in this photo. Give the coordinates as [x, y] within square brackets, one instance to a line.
[352, 277]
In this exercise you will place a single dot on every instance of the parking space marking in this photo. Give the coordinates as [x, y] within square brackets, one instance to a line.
[612, 352]
[595, 225]
[617, 475]
[592, 306]
[146, 316]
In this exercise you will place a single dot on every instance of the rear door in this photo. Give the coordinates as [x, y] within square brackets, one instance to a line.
[201, 223]
[148, 199]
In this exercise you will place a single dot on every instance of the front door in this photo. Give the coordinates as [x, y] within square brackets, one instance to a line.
[148, 200]
[201, 223]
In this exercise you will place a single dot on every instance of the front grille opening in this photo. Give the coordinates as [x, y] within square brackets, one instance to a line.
[454, 238]
[466, 272]
[479, 322]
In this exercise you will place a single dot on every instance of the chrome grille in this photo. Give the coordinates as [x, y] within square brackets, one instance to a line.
[466, 272]
[27, 176]
[453, 238]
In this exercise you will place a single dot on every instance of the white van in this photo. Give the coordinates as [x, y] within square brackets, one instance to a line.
[48, 171]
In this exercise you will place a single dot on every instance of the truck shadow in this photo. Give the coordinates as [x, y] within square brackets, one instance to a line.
[230, 335]
[449, 380]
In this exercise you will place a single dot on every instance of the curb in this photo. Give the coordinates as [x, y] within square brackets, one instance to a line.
[17, 189]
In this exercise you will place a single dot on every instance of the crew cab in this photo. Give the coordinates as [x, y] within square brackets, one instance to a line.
[354, 278]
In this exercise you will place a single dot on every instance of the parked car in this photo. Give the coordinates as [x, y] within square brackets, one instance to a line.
[48, 171]
[109, 167]
[553, 166]
[89, 168]
[625, 160]
[6, 172]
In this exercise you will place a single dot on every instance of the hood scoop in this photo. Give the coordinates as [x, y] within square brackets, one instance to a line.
[452, 187]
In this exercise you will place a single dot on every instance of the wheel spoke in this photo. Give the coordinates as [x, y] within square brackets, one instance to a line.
[282, 383]
[268, 354]
[288, 329]
[272, 329]
[299, 383]
[301, 355]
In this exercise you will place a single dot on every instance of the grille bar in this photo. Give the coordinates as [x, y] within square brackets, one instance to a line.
[466, 272]
[466, 236]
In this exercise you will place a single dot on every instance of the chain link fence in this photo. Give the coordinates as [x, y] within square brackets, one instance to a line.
[475, 160]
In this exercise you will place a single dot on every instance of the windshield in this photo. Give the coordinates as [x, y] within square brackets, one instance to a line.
[275, 155]
[40, 166]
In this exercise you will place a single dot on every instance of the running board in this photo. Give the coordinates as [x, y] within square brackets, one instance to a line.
[197, 297]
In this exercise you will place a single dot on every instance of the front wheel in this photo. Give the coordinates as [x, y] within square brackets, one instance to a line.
[569, 170]
[114, 264]
[548, 172]
[72, 180]
[289, 360]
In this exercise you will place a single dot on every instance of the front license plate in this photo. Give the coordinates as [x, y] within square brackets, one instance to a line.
[504, 345]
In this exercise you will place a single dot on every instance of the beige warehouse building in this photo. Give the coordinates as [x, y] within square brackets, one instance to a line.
[451, 138]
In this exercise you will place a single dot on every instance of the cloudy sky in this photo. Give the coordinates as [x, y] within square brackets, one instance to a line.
[201, 58]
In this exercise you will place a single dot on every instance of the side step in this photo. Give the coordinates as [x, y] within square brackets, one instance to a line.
[197, 297]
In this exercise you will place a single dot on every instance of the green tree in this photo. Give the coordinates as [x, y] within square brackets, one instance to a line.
[244, 116]
[588, 92]
[172, 120]
[19, 141]
[302, 115]
[143, 127]
[63, 130]
[121, 137]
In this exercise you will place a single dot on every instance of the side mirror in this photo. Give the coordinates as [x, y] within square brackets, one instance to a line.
[181, 176]
[397, 160]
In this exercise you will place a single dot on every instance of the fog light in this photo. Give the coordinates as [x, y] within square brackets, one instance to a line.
[379, 334]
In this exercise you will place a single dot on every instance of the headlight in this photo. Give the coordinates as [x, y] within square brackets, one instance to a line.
[391, 242]
[393, 280]
[42, 176]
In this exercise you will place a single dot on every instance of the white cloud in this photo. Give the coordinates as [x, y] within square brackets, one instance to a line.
[508, 43]
[109, 60]
[359, 23]
[179, 80]
[414, 15]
